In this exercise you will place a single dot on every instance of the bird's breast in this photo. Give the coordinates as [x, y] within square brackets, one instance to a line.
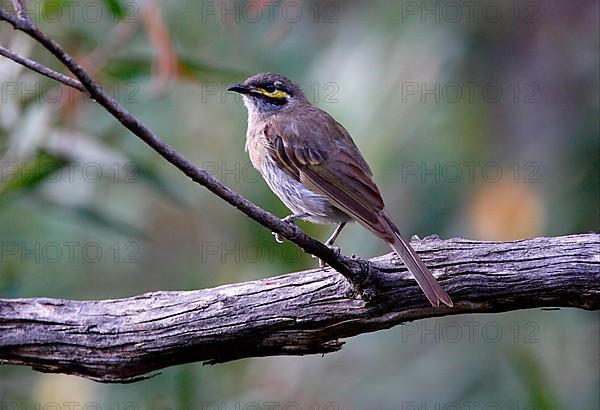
[295, 195]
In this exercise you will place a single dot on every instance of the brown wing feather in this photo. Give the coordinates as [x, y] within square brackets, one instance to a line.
[331, 165]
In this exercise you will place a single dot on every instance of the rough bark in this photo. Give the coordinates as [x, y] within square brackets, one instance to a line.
[295, 314]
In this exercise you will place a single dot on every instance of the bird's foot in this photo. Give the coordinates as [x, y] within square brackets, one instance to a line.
[290, 219]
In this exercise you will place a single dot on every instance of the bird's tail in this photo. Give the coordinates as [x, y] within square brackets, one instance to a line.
[430, 286]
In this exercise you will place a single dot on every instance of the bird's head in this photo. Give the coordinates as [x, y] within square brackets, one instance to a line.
[269, 93]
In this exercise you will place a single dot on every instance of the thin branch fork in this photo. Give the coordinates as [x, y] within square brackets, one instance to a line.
[354, 269]
[42, 69]
[300, 313]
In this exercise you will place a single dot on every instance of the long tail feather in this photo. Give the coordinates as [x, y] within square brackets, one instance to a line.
[430, 286]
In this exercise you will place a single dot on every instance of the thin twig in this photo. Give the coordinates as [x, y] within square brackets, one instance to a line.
[16, 22]
[42, 69]
[20, 9]
[354, 269]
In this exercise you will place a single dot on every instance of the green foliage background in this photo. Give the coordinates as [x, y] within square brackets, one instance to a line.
[71, 174]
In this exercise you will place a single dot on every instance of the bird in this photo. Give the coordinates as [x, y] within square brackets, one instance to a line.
[311, 163]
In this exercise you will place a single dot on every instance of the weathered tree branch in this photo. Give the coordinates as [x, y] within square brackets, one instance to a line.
[295, 314]
[355, 270]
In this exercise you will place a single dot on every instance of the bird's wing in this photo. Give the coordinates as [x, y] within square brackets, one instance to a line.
[320, 153]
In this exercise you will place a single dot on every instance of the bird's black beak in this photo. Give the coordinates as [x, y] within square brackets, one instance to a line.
[240, 89]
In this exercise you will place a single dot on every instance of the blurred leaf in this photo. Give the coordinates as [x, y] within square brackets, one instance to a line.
[9, 277]
[116, 8]
[165, 56]
[49, 8]
[154, 180]
[129, 68]
[185, 387]
[133, 67]
[205, 71]
[529, 369]
[30, 174]
[95, 216]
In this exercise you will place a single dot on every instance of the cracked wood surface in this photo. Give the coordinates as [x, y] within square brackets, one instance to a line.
[299, 313]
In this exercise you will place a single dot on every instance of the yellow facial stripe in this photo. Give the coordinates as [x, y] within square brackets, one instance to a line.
[275, 94]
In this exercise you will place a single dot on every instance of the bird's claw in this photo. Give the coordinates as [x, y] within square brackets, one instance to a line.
[277, 237]
[289, 220]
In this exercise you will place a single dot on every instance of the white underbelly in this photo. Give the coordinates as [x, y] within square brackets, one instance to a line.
[298, 198]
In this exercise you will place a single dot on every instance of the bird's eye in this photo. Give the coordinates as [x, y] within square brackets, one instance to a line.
[270, 88]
